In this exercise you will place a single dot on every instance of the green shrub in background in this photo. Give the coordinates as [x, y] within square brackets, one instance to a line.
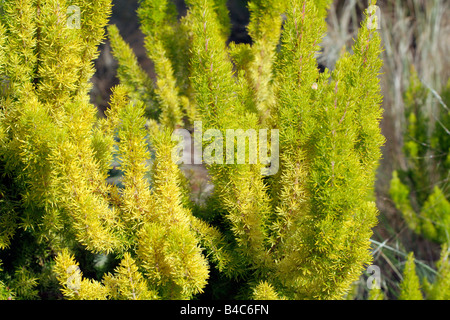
[302, 233]
[412, 288]
[421, 192]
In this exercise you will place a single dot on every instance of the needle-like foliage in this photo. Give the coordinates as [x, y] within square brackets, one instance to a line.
[297, 227]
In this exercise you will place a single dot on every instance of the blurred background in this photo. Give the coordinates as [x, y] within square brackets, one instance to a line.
[415, 123]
